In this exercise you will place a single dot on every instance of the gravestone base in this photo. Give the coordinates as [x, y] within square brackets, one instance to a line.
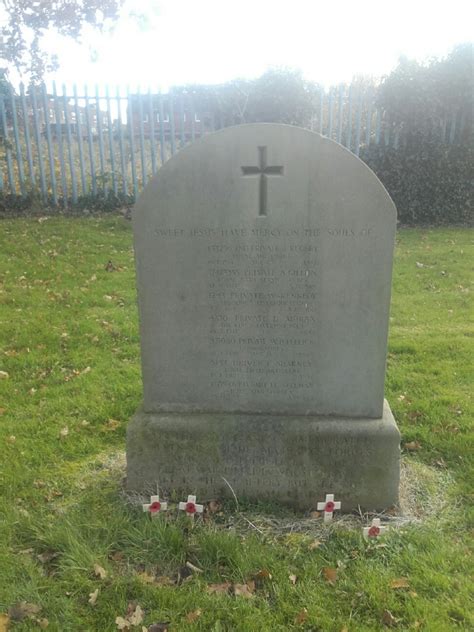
[288, 460]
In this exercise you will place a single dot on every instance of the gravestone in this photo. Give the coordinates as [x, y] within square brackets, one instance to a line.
[264, 260]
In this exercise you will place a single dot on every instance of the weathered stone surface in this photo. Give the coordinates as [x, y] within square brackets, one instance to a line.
[282, 312]
[290, 460]
[264, 258]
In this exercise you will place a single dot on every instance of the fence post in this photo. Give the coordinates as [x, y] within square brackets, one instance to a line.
[101, 141]
[90, 142]
[69, 146]
[59, 140]
[36, 127]
[79, 141]
[50, 145]
[111, 141]
[123, 162]
[8, 153]
[151, 127]
[19, 158]
[29, 155]
[141, 137]
[131, 142]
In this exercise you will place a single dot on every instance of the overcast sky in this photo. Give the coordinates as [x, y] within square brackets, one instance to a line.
[212, 41]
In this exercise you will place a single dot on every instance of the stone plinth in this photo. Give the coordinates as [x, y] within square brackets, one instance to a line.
[289, 460]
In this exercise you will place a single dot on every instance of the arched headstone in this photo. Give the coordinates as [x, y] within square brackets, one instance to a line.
[264, 261]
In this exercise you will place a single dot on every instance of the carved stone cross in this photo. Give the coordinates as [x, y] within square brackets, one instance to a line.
[263, 170]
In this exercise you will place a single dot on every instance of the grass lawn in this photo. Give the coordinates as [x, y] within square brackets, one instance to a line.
[69, 356]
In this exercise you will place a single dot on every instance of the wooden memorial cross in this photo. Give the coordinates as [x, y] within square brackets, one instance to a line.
[191, 507]
[329, 505]
[374, 530]
[155, 506]
[263, 170]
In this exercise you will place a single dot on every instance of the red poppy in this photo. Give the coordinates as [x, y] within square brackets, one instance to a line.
[329, 508]
[374, 531]
[155, 506]
[190, 508]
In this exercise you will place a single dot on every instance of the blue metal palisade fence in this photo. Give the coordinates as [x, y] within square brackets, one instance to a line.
[67, 146]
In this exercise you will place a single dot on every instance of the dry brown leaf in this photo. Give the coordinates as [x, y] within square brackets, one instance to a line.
[412, 446]
[330, 574]
[263, 574]
[401, 582]
[93, 597]
[112, 424]
[293, 579]
[4, 375]
[23, 610]
[122, 624]
[218, 588]
[99, 571]
[244, 590]
[136, 617]
[43, 623]
[388, 619]
[4, 622]
[301, 617]
[315, 544]
[193, 616]
[315, 514]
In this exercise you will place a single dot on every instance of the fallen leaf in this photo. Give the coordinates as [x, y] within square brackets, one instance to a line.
[330, 574]
[388, 619]
[117, 556]
[43, 623]
[401, 582]
[23, 610]
[112, 424]
[412, 446]
[93, 597]
[193, 616]
[4, 622]
[315, 544]
[64, 432]
[4, 375]
[218, 588]
[301, 617]
[244, 590]
[99, 571]
[420, 265]
[121, 623]
[293, 579]
[136, 617]
[315, 514]
[263, 574]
